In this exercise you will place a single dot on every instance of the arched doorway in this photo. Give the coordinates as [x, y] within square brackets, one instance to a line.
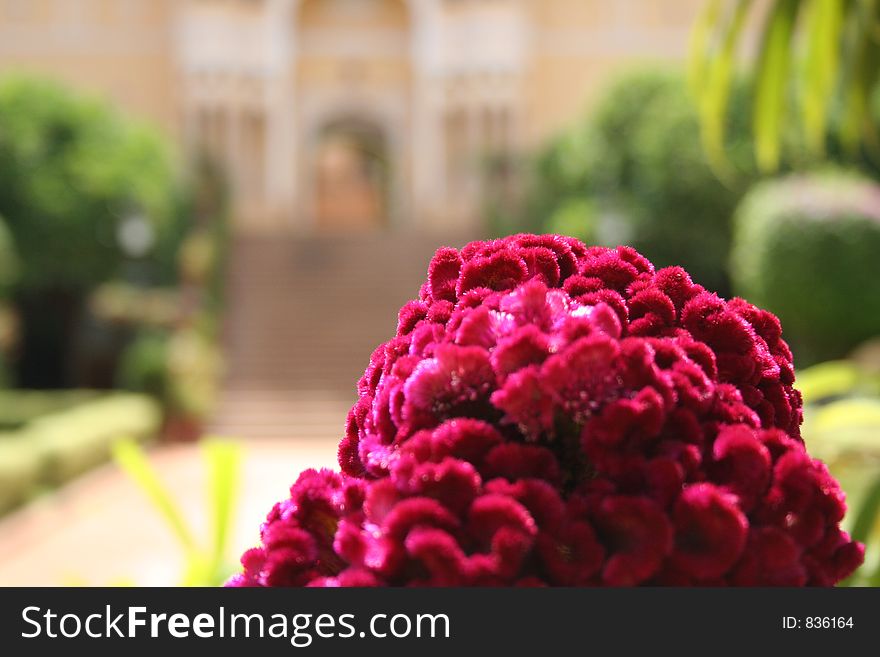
[353, 80]
[352, 177]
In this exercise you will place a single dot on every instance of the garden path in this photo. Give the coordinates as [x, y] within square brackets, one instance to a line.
[101, 530]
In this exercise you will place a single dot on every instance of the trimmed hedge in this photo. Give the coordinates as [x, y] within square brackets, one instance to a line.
[18, 407]
[56, 447]
[807, 248]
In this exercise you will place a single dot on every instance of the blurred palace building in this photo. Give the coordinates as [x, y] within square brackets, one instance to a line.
[342, 115]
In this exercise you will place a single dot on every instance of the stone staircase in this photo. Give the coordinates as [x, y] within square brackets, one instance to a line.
[303, 315]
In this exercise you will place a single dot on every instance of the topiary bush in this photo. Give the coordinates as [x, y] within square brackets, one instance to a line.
[555, 414]
[807, 248]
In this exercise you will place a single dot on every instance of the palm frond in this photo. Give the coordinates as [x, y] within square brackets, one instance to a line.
[712, 82]
[823, 23]
[771, 82]
[825, 51]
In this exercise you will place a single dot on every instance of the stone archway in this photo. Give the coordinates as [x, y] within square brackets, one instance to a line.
[352, 177]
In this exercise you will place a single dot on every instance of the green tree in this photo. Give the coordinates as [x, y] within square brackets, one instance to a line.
[820, 57]
[85, 194]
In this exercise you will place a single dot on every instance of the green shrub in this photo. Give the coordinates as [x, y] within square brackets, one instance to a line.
[576, 216]
[681, 209]
[144, 365]
[807, 248]
[180, 368]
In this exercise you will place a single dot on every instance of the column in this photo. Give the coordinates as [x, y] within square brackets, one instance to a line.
[233, 150]
[280, 140]
[426, 148]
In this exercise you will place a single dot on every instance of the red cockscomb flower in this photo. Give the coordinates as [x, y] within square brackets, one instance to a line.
[552, 413]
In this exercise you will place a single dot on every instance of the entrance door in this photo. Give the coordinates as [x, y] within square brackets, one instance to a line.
[351, 178]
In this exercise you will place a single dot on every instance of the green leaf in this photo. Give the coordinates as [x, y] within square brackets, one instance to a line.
[771, 84]
[713, 79]
[849, 426]
[828, 379]
[132, 459]
[860, 75]
[699, 46]
[824, 21]
[849, 413]
[864, 530]
[223, 459]
[867, 514]
[864, 525]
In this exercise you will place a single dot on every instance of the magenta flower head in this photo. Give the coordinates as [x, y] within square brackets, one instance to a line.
[555, 414]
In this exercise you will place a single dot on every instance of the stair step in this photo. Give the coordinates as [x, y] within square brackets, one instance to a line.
[303, 316]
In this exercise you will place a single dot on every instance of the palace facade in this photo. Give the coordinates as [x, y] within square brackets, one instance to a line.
[346, 114]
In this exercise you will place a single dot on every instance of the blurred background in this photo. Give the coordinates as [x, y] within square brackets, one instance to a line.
[211, 211]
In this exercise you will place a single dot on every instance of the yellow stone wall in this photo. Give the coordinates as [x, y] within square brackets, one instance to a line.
[120, 49]
[579, 44]
[254, 80]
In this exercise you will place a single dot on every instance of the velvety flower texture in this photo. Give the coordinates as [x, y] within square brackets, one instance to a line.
[555, 414]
